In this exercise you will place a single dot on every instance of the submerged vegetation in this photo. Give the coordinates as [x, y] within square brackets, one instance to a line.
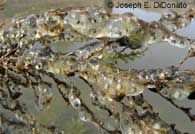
[28, 61]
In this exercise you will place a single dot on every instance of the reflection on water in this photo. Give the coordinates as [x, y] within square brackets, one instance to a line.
[145, 15]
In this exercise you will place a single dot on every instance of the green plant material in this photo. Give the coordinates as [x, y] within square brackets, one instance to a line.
[124, 57]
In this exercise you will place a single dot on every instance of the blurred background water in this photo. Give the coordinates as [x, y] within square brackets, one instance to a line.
[158, 55]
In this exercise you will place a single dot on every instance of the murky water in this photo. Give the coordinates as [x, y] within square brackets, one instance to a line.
[158, 55]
